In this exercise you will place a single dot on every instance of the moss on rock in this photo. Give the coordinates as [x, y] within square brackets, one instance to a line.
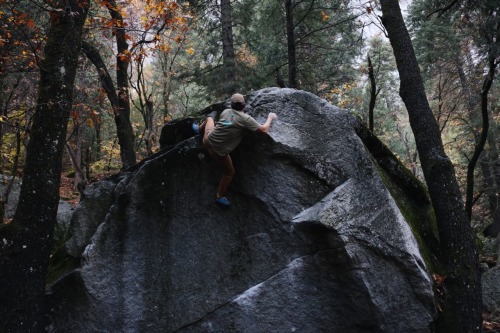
[409, 193]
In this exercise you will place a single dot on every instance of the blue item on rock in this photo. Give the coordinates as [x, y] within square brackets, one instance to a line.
[196, 128]
[223, 202]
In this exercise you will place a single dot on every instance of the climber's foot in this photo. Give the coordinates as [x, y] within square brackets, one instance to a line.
[222, 202]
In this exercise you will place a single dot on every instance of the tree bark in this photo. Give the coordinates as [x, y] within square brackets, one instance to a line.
[166, 90]
[125, 131]
[167, 61]
[27, 240]
[77, 166]
[4, 197]
[123, 126]
[291, 48]
[488, 81]
[228, 47]
[491, 173]
[145, 107]
[2, 111]
[373, 93]
[463, 305]
[149, 123]
[105, 79]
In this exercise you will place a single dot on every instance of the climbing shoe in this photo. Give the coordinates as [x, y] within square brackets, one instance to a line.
[223, 202]
[195, 127]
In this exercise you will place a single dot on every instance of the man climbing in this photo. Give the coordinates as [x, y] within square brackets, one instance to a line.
[222, 138]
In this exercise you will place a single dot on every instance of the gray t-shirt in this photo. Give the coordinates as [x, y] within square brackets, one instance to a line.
[229, 130]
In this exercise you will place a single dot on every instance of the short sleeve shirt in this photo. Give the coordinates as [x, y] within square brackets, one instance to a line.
[228, 132]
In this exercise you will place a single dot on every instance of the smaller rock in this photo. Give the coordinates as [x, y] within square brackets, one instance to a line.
[491, 290]
[178, 130]
[10, 208]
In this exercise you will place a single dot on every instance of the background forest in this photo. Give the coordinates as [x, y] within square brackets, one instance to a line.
[180, 57]
[175, 58]
[137, 65]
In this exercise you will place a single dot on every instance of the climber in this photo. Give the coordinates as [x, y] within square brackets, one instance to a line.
[222, 138]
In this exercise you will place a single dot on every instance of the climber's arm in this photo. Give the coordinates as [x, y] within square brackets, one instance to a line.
[264, 128]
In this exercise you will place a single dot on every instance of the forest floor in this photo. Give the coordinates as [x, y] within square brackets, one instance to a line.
[489, 324]
[68, 191]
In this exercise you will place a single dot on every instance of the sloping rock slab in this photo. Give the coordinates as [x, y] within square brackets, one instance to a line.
[312, 243]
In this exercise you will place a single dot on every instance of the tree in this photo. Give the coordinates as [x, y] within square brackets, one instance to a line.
[322, 35]
[121, 117]
[167, 59]
[162, 38]
[216, 68]
[456, 44]
[122, 113]
[228, 62]
[458, 253]
[382, 106]
[488, 81]
[26, 245]
[373, 93]
[20, 39]
[290, 38]
[315, 43]
[488, 40]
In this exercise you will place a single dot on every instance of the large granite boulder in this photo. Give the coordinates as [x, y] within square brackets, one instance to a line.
[314, 240]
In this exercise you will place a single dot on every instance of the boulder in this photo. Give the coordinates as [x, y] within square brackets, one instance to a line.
[314, 240]
[64, 211]
[491, 290]
[11, 204]
[177, 130]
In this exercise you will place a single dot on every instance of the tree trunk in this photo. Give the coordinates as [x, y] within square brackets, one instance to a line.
[488, 81]
[149, 123]
[122, 121]
[145, 107]
[463, 305]
[3, 111]
[167, 62]
[77, 166]
[124, 127]
[27, 240]
[373, 93]
[4, 197]
[472, 101]
[291, 48]
[492, 183]
[166, 91]
[98, 140]
[76, 154]
[228, 60]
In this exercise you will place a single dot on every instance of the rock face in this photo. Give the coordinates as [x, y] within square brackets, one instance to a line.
[64, 211]
[10, 207]
[313, 242]
[491, 290]
[176, 131]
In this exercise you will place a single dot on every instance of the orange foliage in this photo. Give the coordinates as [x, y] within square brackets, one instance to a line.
[150, 25]
[20, 38]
